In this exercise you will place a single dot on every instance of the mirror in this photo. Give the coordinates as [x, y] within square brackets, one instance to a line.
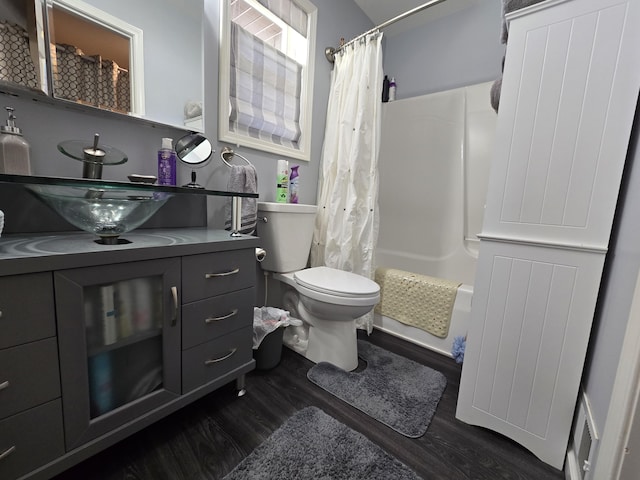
[156, 73]
[95, 58]
[193, 149]
[23, 61]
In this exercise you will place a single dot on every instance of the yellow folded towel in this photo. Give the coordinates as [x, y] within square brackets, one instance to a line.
[417, 300]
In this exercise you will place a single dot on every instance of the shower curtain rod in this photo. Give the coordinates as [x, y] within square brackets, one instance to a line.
[330, 52]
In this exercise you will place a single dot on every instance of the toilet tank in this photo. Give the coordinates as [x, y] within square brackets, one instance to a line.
[286, 231]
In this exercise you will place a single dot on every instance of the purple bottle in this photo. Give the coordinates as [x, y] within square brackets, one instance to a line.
[293, 184]
[167, 163]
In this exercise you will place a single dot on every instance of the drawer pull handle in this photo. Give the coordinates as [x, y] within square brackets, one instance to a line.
[216, 360]
[7, 452]
[174, 294]
[222, 274]
[4, 385]
[223, 317]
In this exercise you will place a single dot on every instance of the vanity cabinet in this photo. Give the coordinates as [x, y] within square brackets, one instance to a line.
[218, 296]
[119, 337]
[29, 379]
[97, 344]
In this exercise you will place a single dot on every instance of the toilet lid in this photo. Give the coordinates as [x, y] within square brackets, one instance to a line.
[336, 282]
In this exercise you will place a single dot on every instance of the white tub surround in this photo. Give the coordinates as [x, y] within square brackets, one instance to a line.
[435, 154]
[439, 145]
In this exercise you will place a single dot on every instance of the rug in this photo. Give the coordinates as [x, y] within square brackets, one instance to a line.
[314, 445]
[394, 390]
[418, 300]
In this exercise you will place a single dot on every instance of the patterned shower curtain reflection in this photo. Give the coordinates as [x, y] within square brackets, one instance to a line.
[16, 65]
[346, 230]
[90, 80]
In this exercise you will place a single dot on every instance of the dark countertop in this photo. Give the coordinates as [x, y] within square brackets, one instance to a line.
[28, 253]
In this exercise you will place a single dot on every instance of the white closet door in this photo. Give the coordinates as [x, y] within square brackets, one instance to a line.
[567, 104]
[569, 93]
[531, 318]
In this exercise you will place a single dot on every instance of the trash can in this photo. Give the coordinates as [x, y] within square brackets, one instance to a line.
[268, 328]
[268, 354]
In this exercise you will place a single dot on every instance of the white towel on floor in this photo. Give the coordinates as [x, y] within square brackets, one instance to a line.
[243, 178]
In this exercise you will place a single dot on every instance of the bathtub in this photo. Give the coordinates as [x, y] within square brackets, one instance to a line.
[435, 152]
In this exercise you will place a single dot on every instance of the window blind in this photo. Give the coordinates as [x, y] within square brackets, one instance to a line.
[265, 90]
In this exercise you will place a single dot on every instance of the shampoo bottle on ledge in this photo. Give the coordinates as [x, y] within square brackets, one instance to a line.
[392, 89]
[167, 163]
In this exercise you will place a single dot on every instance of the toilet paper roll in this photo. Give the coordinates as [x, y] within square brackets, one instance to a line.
[260, 254]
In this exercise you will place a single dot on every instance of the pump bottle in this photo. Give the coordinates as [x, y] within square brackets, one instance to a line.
[14, 149]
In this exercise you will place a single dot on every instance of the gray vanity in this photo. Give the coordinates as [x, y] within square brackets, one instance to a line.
[98, 341]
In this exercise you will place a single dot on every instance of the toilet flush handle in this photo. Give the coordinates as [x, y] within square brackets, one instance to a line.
[264, 219]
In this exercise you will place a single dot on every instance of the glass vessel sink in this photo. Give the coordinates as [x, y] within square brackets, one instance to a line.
[107, 212]
[111, 208]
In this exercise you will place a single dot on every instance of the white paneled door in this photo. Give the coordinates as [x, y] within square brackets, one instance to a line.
[569, 94]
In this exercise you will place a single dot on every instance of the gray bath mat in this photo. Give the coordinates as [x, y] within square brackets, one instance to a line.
[394, 390]
[314, 445]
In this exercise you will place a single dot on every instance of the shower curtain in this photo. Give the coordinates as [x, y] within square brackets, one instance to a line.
[346, 230]
[90, 79]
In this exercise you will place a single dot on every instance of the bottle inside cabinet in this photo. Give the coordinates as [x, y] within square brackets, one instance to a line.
[123, 327]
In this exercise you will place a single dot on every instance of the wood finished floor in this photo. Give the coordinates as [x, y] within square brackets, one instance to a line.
[208, 438]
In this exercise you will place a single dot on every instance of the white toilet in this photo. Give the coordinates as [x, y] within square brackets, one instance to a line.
[327, 300]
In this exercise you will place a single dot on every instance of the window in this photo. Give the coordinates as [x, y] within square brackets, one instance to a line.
[266, 75]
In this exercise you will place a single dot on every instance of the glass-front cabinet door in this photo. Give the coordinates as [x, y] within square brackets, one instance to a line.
[119, 336]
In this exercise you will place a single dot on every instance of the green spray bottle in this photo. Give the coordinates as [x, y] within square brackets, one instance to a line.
[282, 185]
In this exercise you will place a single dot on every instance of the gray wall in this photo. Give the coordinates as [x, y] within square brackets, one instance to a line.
[454, 51]
[616, 294]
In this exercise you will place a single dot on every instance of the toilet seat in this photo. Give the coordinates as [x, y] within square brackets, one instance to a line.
[336, 282]
[336, 286]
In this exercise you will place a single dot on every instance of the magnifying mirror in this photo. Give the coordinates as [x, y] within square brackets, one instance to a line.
[193, 149]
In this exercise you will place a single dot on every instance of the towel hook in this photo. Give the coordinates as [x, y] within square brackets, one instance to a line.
[229, 151]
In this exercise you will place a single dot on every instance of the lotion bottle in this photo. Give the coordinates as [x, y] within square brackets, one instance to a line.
[14, 149]
[167, 163]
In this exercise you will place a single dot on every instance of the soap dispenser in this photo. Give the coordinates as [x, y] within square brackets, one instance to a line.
[14, 149]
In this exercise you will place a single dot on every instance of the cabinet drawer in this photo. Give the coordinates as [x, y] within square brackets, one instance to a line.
[31, 439]
[29, 376]
[206, 362]
[212, 274]
[208, 319]
[26, 308]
